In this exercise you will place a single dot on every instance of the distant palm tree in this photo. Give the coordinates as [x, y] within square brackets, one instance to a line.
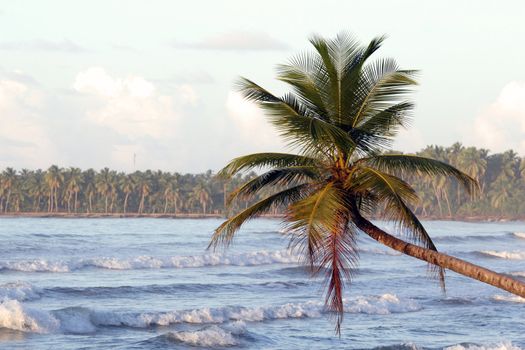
[127, 186]
[201, 195]
[54, 178]
[144, 188]
[103, 184]
[341, 114]
[9, 178]
[73, 186]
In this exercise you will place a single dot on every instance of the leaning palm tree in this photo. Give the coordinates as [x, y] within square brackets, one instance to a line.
[340, 116]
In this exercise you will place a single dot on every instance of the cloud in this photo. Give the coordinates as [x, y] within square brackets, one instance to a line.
[22, 135]
[63, 45]
[132, 106]
[251, 125]
[236, 41]
[501, 125]
[409, 140]
[105, 119]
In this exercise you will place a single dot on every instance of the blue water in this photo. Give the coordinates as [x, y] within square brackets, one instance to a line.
[151, 284]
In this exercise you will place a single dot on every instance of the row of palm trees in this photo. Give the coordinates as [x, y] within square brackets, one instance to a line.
[501, 177]
[72, 190]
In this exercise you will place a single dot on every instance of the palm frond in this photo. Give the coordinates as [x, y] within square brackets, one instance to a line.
[394, 193]
[224, 234]
[320, 228]
[280, 177]
[309, 80]
[393, 163]
[263, 160]
[382, 86]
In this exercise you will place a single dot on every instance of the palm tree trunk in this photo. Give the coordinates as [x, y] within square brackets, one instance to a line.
[442, 260]
[166, 205]
[126, 202]
[7, 201]
[436, 193]
[448, 202]
[76, 197]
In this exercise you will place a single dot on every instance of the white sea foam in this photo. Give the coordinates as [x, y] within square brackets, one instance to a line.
[20, 291]
[15, 315]
[517, 273]
[508, 298]
[262, 257]
[515, 255]
[504, 345]
[519, 234]
[213, 336]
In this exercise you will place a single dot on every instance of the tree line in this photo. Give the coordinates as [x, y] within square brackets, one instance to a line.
[71, 190]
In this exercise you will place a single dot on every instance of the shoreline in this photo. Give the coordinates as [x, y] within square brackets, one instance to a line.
[220, 216]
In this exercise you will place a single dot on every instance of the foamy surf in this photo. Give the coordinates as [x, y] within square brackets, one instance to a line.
[509, 298]
[504, 345]
[20, 291]
[148, 262]
[212, 336]
[514, 255]
[78, 320]
[519, 234]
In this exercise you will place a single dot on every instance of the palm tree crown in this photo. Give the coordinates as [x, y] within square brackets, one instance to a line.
[341, 114]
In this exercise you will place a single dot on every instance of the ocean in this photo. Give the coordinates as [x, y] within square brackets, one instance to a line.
[151, 284]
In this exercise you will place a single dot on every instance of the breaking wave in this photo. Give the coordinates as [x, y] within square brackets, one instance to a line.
[262, 257]
[212, 336]
[20, 291]
[79, 320]
[509, 298]
[519, 234]
[515, 255]
[504, 345]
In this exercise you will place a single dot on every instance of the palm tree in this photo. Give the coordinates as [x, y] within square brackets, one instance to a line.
[341, 114]
[103, 183]
[74, 182]
[9, 178]
[127, 186]
[54, 179]
[201, 195]
[144, 187]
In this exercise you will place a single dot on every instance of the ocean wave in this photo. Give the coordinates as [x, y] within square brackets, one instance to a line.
[14, 315]
[504, 345]
[517, 273]
[467, 238]
[519, 234]
[148, 262]
[514, 255]
[79, 320]
[119, 291]
[509, 298]
[212, 336]
[20, 291]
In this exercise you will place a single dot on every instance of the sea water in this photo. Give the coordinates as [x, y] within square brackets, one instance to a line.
[151, 284]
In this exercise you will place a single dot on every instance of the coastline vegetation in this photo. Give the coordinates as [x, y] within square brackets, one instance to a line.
[74, 191]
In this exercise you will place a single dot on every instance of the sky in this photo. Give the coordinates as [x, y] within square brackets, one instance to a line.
[92, 83]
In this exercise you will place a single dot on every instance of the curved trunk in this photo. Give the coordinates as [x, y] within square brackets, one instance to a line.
[126, 202]
[442, 260]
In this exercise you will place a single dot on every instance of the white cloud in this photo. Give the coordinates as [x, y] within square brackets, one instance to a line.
[236, 41]
[23, 135]
[131, 106]
[251, 124]
[501, 125]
